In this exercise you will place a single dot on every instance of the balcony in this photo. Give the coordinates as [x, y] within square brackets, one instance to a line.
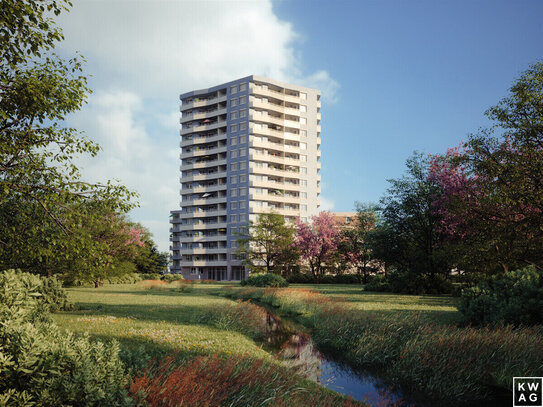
[202, 164]
[199, 152]
[199, 102]
[212, 125]
[199, 140]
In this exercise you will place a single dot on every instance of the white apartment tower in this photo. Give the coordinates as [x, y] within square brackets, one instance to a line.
[248, 146]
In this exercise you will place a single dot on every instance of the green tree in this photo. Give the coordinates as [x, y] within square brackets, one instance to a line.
[42, 195]
[492, 199]
[354, 248]
[408, 235]
[268, 245]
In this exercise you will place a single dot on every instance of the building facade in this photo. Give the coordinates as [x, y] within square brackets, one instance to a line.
[248, 146]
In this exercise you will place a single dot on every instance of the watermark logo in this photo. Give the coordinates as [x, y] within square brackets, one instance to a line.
[527, 391]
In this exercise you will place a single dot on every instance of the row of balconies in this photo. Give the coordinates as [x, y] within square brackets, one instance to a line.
[212, 125]
[187, 117]
[204, 100]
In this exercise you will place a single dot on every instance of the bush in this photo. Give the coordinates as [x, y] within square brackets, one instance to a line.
[301, 278]
[42, 365]
[377, 283]
[515, 297]
[129, 278]
[265, 280]
[172, 277]
[409, 282]
[29, 291]
[151, 276]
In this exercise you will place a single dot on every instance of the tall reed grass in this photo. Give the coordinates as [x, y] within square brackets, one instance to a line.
[442, 362]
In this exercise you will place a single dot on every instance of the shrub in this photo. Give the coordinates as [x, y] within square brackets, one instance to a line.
[516, 297]
[172, 277]
[29, 290]
[409, 282]
[40, 364]
[300, 278]
[378, 283]
[265, 280]
[128, 278]
[151, 276]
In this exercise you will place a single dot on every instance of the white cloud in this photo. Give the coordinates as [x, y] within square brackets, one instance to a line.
[130, 155]
[142, 54]
[326, 204]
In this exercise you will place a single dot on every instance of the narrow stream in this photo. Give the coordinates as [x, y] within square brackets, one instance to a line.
[292, 343]
[294, 346]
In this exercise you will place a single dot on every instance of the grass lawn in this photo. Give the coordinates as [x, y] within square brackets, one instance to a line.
[158, 320]
[438, 308]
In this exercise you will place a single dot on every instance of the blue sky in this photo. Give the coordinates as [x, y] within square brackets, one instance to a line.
[396, 76]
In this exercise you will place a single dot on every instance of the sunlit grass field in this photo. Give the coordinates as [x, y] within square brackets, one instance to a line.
[159, 320]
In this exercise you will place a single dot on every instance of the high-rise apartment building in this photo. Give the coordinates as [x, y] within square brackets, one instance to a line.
[248, 146]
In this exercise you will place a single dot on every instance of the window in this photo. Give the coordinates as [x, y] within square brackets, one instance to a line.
[303, 170]
[234, 167]
[303, 120]
[303, 208]
[242, 191]
[257, 204]
[303, 194]
[234, 89]
[303, 95]
[242, 165]
[243, 126]
[303, 108]
[303, 133]
[243, 217]
[233, 205]
[233, 128]
[242, 152]
[234, 154]
[243, 100]
[234, 179]
[303, 157]
[242, 204]
[242, 87]
[233, 231]
[234, 141]
[243, 113]
[233, 218]
[234, 192]
[303, 146]
[242, 178]
[303, 182]
[234, 115]
[242, 139]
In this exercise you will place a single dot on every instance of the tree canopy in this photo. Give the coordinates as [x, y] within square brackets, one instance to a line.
[43, 200]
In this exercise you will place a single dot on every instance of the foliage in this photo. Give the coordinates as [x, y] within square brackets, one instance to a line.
[18, 289]
[377, 283]
[355, 250]
[411, 282]
[408, 237]
[443, 362]
[268, 245]
[300, 278]
[42, 365]
[42, 196]
[217, 380]
[172, 277]
[317, 242]
[492, 189]
[515, 297]
[265, 280]
[152, 276]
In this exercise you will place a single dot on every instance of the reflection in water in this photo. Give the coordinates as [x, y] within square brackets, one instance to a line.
[298, 351]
